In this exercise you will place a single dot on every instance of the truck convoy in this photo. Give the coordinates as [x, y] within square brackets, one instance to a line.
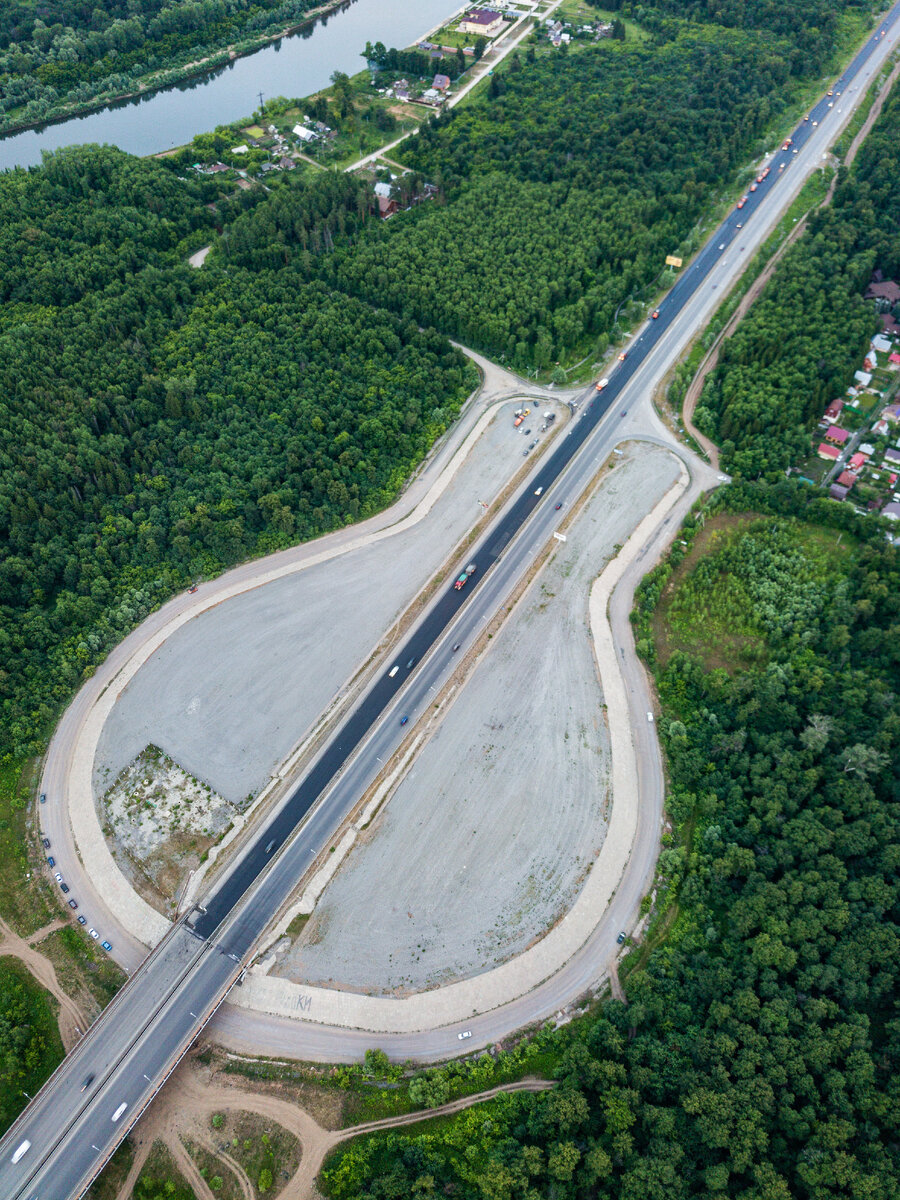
[463, 579]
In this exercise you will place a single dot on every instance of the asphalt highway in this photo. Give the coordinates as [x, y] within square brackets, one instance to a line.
[70, 1127]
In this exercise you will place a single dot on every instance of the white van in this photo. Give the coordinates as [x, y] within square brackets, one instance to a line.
[21, 1150]
[119, 1112]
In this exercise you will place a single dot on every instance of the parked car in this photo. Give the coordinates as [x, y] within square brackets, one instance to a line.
[45, 842]
[621, 938]
[82, 920]
[467, 1033]
[57, 876]
[107, 946]
[73, 904]
[51, 861]
[64, 887]
[94, 934]
[43, 797]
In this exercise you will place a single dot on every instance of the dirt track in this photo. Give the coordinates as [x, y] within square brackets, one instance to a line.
[184, 1110]
[72, 1021]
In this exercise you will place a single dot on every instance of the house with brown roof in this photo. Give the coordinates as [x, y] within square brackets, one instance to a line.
[846, 479]
[441, 83]
[836, 435]
[485, 21]
[888, 290]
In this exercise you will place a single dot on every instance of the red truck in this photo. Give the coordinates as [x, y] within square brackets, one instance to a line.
[463, 579]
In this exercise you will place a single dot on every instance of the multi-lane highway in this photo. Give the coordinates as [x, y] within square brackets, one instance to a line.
[96, 1095]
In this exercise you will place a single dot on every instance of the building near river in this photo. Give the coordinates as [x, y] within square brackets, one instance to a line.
[485, 21]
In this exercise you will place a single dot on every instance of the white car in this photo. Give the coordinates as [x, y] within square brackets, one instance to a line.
[650, 717]
[94, 934]
[57, 876]
[467, 1033]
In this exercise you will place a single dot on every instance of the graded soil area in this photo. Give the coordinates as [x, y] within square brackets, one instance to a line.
[486, 842]
[229, 694]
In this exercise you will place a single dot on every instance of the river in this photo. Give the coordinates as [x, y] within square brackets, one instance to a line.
[293, 66]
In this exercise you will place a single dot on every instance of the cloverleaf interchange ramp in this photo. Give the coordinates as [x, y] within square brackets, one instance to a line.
[71, 1126]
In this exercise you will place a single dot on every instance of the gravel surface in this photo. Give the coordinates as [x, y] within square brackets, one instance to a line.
[485, 844]
[231, 693]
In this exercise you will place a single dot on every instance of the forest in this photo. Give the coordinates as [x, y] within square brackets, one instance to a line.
[557, 223]
[59, 52]
[801, 342]
[164, 423]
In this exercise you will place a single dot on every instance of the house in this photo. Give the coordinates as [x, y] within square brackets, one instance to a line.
[881, 344]
[286, 164]
[430, 96]
[894, 359]
[833, 411]
[857, 461]
[240, 150]
[485, 21]
[387, 206]
[441, 83]
[829, 453]
[891, 413]
[383, 190]
[889, 291]
[836, 435]
[863, 378]
[891, 457]
[867, 448]
[304, 134]
[891, 511]
[881, 428]
[846, 479]
[836, 492]
[889, 325]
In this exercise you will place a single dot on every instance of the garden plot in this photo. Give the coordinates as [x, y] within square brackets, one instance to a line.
[486, 842]
[160, 821]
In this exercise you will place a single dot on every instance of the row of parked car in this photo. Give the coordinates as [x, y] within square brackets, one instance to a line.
[64, 888]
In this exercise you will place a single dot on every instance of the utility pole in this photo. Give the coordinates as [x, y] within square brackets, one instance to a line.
[260, 100]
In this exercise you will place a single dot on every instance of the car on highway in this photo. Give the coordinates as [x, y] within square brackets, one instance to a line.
[601, 384]
[753, 186]
[412, 662]
[51, 861]
[815, 124]
[107, 946]
[721, 245]
[192, 589]
[623, 356]
[559, 506]
[466, 1033]
[20, 1151]
[740, 225]
[94, 934]
[119, 1111]
[742, 202]
[625, 413]
[403, 720]
[525, 452]
[87, 1083]
[45, 842]
[621, 938]
[456, 646]
[655, 314]
[527, 431]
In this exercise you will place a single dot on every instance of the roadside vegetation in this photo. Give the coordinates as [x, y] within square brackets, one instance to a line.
[30, 1045]
[800, 343]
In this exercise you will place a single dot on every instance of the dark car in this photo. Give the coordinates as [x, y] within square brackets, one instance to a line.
[456, 647]
[192, 589]
[73, 904]
[558, 507]
[621, 938]
[51, 861]
[87, 1083]
[63, 887]
[412, 662]
[403, 720]
[82, 920]
[43, 797]
[45, 842]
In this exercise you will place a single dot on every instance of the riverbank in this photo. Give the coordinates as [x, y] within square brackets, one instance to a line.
[159, 80]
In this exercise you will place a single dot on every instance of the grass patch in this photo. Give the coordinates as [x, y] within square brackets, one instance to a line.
[709, 608]
[24, 895]
[298, 924]
[160, 1178]
[30, 1045]
[268, 1153]
[83, 970]
[220, 1178]
[109, 1182]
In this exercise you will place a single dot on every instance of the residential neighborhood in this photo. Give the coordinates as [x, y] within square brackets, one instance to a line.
[858, 435]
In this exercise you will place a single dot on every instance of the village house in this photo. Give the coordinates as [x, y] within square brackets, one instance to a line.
[891, 457]
[857, 461]
[484, 21]
[305, 135]
[836, 492]
[832, 412]
[441, 83]
[891, 511]
[829, 453]
[887, 292]
[846, 479]
[863, 378]
[836, 435]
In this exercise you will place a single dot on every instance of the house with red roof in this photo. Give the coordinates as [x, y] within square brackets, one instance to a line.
[836, 435]
[846, 479]
[857, 461]
[829, 453]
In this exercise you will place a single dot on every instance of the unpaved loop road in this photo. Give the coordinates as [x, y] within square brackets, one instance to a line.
[72, 1021]
[185, 1107]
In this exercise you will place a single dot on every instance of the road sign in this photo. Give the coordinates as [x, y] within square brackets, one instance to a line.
[672, 260]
